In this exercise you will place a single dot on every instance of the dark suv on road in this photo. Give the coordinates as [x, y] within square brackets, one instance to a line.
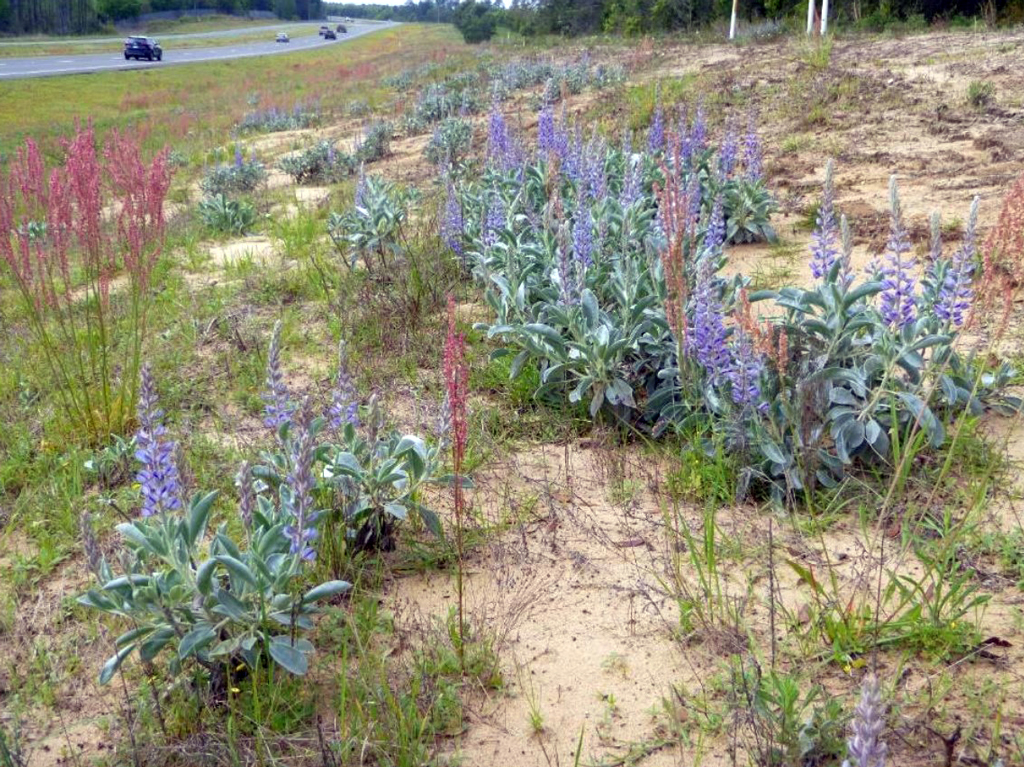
[142, 48]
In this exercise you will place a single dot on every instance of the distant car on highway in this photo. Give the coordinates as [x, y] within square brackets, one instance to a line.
[341, 29]
[142, 48]
[282, 37]
[330, 35]
[324, 29]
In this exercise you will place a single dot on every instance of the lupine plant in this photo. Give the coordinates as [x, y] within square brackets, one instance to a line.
[603, 269]
[222, 214]
[320, 164]
[212, 599]
[372, 229]
[239, 177]
[65, 253]
[273, 119]
[372, 476]
[450, 143]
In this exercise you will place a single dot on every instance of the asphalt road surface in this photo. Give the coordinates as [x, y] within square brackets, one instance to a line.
[42, 66]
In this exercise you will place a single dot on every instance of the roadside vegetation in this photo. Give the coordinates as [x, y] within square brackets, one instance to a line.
[410, 403]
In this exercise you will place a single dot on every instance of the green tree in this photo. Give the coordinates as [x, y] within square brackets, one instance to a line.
[476, 21]
[118, 9]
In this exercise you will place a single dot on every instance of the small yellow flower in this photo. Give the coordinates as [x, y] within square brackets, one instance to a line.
[235, 690]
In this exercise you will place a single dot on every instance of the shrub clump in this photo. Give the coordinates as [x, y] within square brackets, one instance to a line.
[320, 164]
[240, 177]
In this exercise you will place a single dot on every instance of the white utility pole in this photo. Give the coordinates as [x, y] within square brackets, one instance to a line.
[810, 16]
[732, 24]
[824, 17]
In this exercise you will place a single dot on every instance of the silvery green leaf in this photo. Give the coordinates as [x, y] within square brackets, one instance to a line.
[396, 510]
[287, 656]
[196, 640]
[325, 591]
[114, 663]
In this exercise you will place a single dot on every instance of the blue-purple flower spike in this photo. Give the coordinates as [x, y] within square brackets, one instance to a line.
[753, 160]
[499, 148]
[656, 134]
[708, 341]
[452, 226]
[744, 372]
[824, 246]
[238, 156]
[158, 478]
[279, 407]
[865, 747]
[302, 530]
[583, 237]
[898, 303]
[344, 399]
[494, 220]
[546, 133]
[955, 293]
[714, 237]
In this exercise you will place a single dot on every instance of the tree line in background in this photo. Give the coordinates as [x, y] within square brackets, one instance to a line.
[70, 17]
[479, 19]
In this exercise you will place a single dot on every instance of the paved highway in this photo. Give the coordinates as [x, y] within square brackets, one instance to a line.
[42, 66]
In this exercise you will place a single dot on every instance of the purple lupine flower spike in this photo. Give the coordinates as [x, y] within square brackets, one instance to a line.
[498, 148]
[898, 303]
[753, 158]
[865, 747]
[279, 407]
[824, 250]
[344, 399]
[238, 156]
[583, 237]
[656, 134]
[546, 140]
[714, 237]
[158, 478]
[955, 294]
[744, 373]
[699, 133]
[494, 221]
[452, 225]
[708, 341]
[569, 293]
[302, 530]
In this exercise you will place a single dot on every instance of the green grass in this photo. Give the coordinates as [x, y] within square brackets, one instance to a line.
[197, 105]
[68, 47]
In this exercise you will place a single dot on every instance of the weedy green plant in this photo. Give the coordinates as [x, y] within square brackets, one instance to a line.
[64, 252]
[784, 725]
[227, 216]
[213, 602]
[980, 93]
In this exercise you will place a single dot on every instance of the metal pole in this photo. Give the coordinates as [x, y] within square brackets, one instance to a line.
[732, 24]
[824, 17]
[810, 16]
